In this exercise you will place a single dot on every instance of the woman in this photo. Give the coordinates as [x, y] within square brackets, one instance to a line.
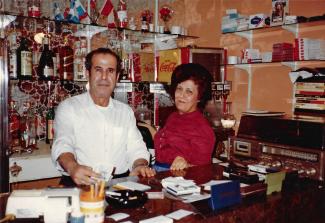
[187, 137]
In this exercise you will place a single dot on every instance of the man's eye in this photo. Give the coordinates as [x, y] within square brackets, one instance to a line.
[111, 70]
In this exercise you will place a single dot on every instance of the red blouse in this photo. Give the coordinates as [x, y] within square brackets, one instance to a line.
[188, 135]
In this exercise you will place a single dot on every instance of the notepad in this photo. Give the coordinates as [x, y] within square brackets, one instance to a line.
[130, 185]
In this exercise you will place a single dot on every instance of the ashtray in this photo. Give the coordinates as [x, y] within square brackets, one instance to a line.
[126, 198]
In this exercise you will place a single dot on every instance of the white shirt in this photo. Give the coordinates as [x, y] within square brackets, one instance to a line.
[97, 136]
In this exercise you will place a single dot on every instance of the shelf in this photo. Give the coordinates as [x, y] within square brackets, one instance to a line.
[285, 63]
[294, 28]
[88, 30]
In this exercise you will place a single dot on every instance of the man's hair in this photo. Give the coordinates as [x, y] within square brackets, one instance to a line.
[89, 57]
[197, 73]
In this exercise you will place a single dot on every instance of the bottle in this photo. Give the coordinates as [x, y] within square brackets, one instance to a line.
[144, 25]
[23, 127]
[24, 60]
[66, 61]
[13, 56]
[49, 124]
[34, 8]
[28, 123]
[14, 125]
[45, 68]
[143, 114]
[122, 14]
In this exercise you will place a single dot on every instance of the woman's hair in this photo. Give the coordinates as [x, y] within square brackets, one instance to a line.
[89, 57]
[199, 75]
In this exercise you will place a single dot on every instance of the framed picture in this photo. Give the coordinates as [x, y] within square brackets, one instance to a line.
[280, 8]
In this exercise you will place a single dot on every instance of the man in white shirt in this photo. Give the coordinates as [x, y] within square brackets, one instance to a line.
[94, 132]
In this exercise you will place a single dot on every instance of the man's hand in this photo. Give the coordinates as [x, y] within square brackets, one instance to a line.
[141, 168]
[179, 163]
[81, 175]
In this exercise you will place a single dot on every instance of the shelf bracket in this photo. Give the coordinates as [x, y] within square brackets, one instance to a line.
[248, 69]
[247, 35]
[294, 28]
[291, 64]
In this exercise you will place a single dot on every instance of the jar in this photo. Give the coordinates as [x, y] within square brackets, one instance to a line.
[143, 114]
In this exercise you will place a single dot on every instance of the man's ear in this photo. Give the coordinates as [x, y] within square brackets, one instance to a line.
[87, 74]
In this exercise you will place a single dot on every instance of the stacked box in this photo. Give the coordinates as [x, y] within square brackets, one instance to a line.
[282, 52]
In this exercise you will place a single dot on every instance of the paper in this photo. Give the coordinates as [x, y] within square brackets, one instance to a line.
[195, 197]
[132, 186]
[155, 195]
[179, 214]
[158, 219]
[118, 216]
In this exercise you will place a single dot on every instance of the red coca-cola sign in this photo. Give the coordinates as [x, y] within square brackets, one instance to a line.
[167, 66]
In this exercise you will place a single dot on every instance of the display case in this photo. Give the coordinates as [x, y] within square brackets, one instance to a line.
[23, 81]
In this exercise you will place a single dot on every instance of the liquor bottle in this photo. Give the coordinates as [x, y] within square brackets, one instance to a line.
[144, 25]
[45, 68]
[34, 8]
[122, 14]
[14, 125]
[28, 123]
[66, 61]
[49, 124]
[24, 60]
[13, 56]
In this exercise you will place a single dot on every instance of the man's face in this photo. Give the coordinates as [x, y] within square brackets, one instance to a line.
[102, 77]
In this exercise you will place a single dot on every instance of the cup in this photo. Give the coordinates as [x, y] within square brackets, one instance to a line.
[92, 203]
[161, 29]
[151, 27]
[176, 30]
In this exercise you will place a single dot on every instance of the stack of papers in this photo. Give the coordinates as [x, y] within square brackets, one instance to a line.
[179, 186]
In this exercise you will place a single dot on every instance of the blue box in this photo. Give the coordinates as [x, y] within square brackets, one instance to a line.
[225, 195]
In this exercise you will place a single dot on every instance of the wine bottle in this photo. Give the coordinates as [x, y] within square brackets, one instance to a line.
[14, 125]
[24, 60]
[45, 68]
[49, 124]
[66, 61]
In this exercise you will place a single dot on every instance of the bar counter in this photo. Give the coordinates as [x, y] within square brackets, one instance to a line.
[302, 201]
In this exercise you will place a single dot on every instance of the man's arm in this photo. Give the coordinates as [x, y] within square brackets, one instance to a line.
[140, 167]
[79, 174]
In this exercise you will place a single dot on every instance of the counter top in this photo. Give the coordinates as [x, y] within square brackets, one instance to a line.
[34, 166]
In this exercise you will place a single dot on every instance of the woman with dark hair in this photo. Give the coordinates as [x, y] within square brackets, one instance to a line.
[187, 137]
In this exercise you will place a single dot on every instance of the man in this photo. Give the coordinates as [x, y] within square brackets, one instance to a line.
[95, 132]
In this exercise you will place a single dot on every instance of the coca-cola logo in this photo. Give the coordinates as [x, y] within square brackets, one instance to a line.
[149, 68]
[167, 66]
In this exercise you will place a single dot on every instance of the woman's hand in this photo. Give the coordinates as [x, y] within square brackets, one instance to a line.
[179, 163]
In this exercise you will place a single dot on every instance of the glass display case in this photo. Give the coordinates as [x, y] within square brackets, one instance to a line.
[42, 63]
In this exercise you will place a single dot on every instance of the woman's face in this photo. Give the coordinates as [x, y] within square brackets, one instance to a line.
[186, 96]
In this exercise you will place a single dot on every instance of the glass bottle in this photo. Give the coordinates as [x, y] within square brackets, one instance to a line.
[66, 61]
[24, 60]
[143, 114]
[144, 24]
[122, 14]
[13, 56]
[14, 125]
[34, 8]
[49, 124]
[45, 68]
